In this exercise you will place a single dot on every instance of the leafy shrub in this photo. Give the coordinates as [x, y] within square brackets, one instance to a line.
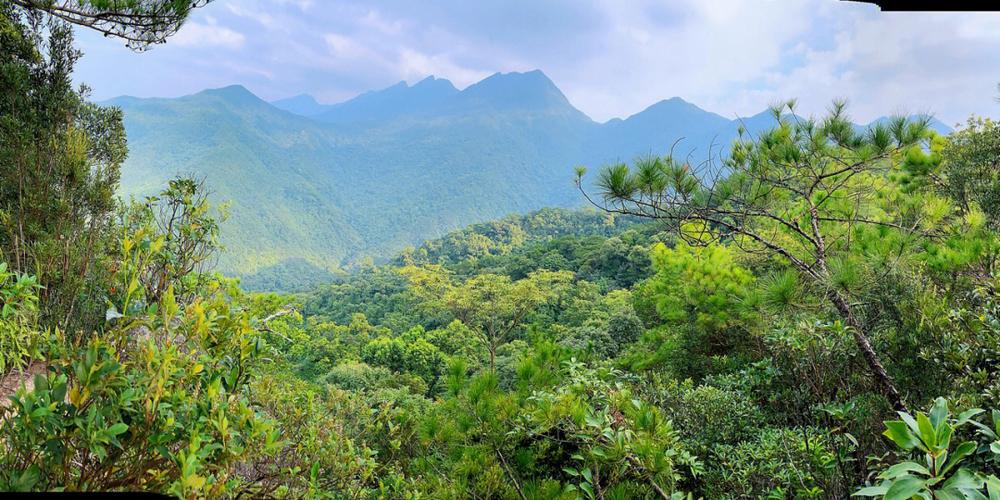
[944, 471]
[356, 376]
[19, 336]
[159, 399]
[169, 416]
[416, 356]
[711, 416]
[775, 463]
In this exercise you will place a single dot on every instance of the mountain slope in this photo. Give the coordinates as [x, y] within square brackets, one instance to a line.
[317, 186]
[270, 163]
[302, 104]
[329, 195]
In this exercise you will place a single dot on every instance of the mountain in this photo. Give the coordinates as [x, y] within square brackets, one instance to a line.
[399, 100]
[302, 104]
[321, 186]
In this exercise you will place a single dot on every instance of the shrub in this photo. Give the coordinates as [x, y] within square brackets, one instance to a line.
[19, 336]
[775, 463]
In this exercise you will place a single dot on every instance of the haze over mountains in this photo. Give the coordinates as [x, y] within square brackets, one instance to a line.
[324, 186]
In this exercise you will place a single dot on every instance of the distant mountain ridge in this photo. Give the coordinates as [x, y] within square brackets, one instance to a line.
[327, 185]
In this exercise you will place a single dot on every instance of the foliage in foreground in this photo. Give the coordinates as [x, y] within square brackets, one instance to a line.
[755, 346]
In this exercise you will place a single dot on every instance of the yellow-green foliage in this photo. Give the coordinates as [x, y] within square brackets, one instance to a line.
[159, 399]
[703, 285]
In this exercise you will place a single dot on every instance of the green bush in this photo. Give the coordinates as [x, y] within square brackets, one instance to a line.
[774, 463]
[19, 335]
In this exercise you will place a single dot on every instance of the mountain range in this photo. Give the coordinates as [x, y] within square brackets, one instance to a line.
[323, 186]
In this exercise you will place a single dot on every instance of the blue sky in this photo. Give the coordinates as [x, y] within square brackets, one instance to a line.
[612, 58]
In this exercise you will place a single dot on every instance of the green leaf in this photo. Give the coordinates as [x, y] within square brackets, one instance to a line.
[950, 495]
[966, 416]
[928, 433]
[939, 413]
[118, 428]
[872, 491]
[904, 488]
[902, 469]
[944, 436]
[964, 480]
[27, 480]
[900, 434]
[963, 450]
[993, 487]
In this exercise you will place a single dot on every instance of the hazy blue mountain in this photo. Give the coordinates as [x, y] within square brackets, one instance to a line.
[317, 186]
[427, 96]
[430, 98]
[302, 104]
[655, 129]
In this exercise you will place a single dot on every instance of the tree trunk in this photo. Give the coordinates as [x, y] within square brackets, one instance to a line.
[884, 380]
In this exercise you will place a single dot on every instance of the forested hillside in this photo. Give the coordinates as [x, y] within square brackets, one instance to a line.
[816, 319]
[365, 178]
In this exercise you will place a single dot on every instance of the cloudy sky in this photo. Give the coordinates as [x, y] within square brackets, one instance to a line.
[611, 58]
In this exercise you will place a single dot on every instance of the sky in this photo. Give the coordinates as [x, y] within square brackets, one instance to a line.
[611, 58]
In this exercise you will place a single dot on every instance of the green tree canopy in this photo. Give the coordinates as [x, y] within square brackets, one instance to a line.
[60, 158]
[797, 194]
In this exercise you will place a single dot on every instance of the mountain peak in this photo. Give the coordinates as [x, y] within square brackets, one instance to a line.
[432, 82]
[395, 101]
[398, 86]
[529, 80]
[302, 104]
[677, 110]
[674, 104]
[529, 90]
[235, 94]
[235, 90]
[301, 98]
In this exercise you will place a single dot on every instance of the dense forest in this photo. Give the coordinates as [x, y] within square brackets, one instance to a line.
[814, 315]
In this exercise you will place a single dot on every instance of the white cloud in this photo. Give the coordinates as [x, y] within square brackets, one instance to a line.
[263, 18]
[611, 58]
[708, 47]
[346, 47]
[196, 34]
[911, 63]
[303, 5]
[414, 65]
[376, 20]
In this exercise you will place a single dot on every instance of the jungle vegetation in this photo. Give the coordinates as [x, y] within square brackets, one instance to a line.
[814, 315]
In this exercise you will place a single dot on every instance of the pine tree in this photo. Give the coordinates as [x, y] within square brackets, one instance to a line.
[797, 193]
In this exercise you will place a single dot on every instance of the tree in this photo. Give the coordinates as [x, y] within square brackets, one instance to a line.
[971, 168]
[182, 214]
[140, 23]
[410, 352]
[59, 168]
[494, 307]
[699, 293]
[157, 399]
[798, 193]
